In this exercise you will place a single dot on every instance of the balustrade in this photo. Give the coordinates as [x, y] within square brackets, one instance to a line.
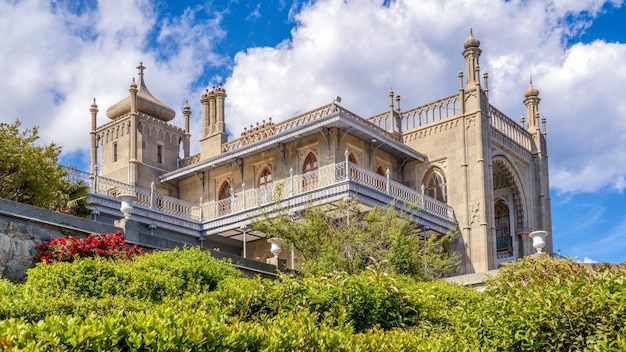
[510, 128]
[280, 189]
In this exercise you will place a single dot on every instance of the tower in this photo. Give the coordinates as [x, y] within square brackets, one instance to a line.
[139, 143]
[213, 126]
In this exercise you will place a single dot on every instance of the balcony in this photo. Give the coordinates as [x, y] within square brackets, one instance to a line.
[328, 184]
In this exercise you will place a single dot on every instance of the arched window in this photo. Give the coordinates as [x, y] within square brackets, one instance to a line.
[309, 172]
[265, 185]
[224, 199]
[504, 240]
[354, 173]
[381, 185]
[435, 185]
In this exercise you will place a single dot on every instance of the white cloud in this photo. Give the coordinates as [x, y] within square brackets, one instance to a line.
[359, 49]
[55, 61]
[59, 61]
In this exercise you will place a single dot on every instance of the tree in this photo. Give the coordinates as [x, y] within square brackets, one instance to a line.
[75, 200]
[349, 240]
[29, 171]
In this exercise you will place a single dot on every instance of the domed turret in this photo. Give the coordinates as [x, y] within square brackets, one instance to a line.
[471, 41]
[531, 91]
[146, 103]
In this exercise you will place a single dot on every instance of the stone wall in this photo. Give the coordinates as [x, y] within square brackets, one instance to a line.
[24, 227]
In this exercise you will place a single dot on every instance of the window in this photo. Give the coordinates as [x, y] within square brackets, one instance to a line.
[381, 184]
[354, 173]
[223, 203]
[435, 185]
[504, 241]
[265, 185]
[159, 154]
[309, 172]
[114, 151]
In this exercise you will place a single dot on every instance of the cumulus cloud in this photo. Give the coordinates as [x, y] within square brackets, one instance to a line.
[61, 56]
[359, 49]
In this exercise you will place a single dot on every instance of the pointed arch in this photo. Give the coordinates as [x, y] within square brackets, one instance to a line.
[224, 198]
[309, 172]
[354, 173]
[265, 184]
[381, 184]
[435, 184]
[505, 175]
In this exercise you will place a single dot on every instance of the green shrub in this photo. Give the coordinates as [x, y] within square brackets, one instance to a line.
[549, 304]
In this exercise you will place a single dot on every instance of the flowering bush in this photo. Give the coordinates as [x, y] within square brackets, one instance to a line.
[66, 249]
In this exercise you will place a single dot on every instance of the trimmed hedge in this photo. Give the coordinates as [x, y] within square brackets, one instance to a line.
[187, 301]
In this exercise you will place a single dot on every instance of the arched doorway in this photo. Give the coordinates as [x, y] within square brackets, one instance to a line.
[224, 199]
[381, 185]
[509, 221]
[309, 172]
[265, 185]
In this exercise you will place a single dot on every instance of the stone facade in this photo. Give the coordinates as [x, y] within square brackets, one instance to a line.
[472, 169]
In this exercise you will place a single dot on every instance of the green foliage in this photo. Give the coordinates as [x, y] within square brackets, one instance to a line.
[541, 303]
[187, 301]
[29, 172]
[348, 240]
[75, 200]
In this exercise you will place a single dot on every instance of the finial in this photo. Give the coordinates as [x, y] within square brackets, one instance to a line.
[471, 42]
[94, 103]
[531, 91]
[141, 67]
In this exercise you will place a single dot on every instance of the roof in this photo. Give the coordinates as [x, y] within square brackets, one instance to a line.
[315, 121]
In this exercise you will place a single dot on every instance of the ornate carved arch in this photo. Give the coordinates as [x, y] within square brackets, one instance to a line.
[511, 177]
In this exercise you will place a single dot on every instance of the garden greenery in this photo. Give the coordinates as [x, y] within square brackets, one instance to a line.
[184, 300]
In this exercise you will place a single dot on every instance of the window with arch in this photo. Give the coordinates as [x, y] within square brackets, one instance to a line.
[435, 185]
[354, 173]
[265, 185]
[309, 172]
[224, 199]
[504, 240]
[381, 185]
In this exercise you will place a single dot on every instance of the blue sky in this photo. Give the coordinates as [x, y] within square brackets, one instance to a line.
[281, 57]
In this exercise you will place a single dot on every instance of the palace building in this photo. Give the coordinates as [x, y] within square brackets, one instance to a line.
[470, 168]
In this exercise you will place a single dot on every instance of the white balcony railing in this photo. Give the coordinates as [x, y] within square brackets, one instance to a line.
[281, 189]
